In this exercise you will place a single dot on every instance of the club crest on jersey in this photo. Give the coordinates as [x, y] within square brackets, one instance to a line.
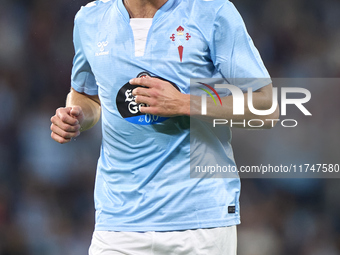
[180, 38]
[101, 46]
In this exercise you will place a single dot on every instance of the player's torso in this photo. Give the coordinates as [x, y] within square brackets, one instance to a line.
[148, 165]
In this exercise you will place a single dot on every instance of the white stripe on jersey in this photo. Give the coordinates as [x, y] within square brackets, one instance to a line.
[140, 28]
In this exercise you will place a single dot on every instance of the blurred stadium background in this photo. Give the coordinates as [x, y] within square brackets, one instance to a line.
[46, 189]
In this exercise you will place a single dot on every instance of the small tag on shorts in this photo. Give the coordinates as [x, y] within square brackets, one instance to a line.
[231, 209]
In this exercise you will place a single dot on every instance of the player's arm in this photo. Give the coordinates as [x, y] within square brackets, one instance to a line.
[262, 100]
[82, 112]
[164, 100]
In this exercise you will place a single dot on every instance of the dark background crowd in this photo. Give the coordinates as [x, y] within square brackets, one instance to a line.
[46, 189]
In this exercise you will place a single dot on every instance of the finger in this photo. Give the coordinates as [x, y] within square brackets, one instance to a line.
[145, 100]
[75, 111]
[64, 115]
[150, 110]
[63, 133]
[59, 139]
[145, 81]
[141, 92]
[66, 127]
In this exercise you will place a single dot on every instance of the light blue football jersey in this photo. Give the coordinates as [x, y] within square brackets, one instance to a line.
[143, 178]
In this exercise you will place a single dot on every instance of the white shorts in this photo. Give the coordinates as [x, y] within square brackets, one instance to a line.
[212, 241]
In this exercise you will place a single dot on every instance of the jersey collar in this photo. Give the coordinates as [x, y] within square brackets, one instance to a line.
[160, 13]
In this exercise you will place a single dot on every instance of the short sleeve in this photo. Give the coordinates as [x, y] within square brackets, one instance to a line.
[82, 78]
[234, 53]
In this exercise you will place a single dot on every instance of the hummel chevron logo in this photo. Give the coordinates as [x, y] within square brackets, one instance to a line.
[102, 46]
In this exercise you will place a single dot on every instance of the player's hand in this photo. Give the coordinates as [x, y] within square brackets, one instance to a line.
[66, 123]
[162, 98]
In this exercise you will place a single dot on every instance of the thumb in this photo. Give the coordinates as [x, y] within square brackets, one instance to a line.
[75, 111]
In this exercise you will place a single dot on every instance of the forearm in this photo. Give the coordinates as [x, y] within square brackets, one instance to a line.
[90, 106]
[262, 100]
